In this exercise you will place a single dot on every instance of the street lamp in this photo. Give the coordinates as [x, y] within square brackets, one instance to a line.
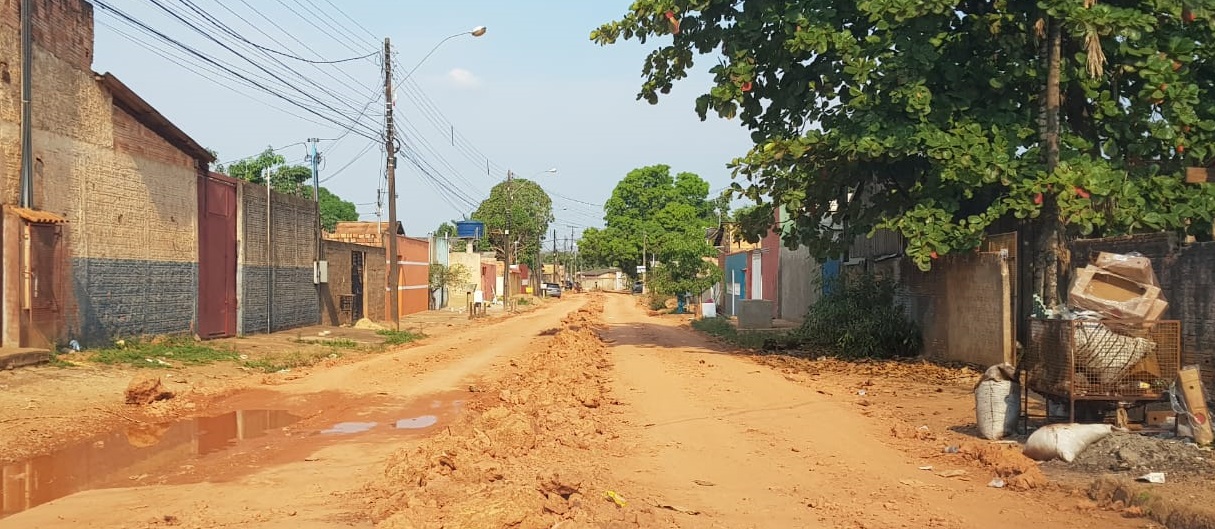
[390, 153]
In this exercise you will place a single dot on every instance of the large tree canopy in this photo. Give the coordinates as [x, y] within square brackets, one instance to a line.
[924, 116]
[664, 215]
[292, 180]
[524, 207]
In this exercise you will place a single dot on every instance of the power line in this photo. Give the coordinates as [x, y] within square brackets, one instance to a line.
[225, 29]
[352, 21]
[131, 20]
[356, 158]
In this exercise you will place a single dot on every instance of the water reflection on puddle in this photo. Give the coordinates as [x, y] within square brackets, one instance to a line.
[114, 457]
[350, 427]
[417, 423]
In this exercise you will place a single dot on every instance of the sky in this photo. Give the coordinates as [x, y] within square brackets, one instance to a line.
[532, 93]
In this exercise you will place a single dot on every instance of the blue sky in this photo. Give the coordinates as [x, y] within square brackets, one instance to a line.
[532, 93]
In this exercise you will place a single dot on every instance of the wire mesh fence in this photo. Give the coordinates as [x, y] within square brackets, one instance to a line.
[1102, 360]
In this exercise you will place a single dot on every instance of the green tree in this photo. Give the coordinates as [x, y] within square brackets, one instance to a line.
[448, 277]
[289, 179]
[522, 205]
[292, 180]
[666, 216]
[928, 117]
[335, 210]
[448, 229]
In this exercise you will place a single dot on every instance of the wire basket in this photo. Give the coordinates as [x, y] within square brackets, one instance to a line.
[1102, 360]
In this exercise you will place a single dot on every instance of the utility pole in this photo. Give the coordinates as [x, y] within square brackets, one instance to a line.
[391, 153]
[555, 280]
[510, 206]
[27, 88]
[316, 199]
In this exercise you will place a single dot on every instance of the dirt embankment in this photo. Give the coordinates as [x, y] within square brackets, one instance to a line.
[520, 457]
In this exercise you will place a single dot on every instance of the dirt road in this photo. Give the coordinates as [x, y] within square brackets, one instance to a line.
[586, 414]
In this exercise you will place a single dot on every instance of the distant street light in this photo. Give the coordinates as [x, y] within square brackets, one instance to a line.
[390, 154]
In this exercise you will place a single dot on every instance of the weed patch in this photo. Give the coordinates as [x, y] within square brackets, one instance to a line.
[293, 360]
[392, 337]
[172, 352]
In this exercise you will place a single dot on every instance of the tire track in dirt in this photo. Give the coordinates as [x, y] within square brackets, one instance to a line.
[775, 453]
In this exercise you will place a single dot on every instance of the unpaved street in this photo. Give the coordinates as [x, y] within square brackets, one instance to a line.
[587, 413]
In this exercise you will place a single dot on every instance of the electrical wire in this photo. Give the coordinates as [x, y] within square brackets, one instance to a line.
[201, 56]
[356, 158]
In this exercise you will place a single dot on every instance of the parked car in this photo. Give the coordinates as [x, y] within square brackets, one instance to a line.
[552, 290]
[638, 287]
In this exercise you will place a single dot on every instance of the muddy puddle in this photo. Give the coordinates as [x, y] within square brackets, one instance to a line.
[122, 457]
[210, 448]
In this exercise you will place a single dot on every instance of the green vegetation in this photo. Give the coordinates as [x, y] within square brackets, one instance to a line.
[392, 337]
[944, 120]
[521, 206]
[665, 216]
[336, 343]
[858, 317]
[724, 330]
[170, 352]
[296, 359]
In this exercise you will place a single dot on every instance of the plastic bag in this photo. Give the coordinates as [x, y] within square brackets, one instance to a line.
[997, 402]
[1064, 441]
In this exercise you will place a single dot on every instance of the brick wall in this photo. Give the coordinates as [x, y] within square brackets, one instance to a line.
[340, 282]
[293, 300]
[1187, 280]
[130, 196]
[962, 307]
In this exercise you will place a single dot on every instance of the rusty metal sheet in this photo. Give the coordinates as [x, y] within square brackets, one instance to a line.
[38, 217]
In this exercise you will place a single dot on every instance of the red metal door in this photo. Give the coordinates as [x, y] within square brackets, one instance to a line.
[44, 286]
[217, 258]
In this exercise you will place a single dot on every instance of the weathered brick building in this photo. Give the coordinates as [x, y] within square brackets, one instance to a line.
[413, 260]
[111, 245]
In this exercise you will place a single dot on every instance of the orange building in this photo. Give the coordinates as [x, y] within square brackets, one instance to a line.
[413, 261]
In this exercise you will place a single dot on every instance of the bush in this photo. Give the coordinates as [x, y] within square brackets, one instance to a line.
[858, 317]
[658, 302]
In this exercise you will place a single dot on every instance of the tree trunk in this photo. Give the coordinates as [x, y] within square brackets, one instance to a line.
[1051, 258]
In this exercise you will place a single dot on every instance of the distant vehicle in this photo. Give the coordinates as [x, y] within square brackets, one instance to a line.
[638, 287]
[552, 290]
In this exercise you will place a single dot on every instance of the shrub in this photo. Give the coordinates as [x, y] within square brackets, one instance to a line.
[858, 317]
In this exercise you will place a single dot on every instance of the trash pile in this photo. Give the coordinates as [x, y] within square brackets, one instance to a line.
[1117, 356]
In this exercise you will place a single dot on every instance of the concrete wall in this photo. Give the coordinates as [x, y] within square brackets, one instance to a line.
[129, 195]
[799, 280]
[341, 282]
[962, 306]
[1187, 280]
[286, 259]
[472, 263]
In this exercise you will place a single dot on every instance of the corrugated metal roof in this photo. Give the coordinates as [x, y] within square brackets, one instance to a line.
[38, 217]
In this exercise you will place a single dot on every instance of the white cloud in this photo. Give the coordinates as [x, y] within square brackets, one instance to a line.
[463, 78]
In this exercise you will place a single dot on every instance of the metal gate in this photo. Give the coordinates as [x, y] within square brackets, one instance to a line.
[356, 284]
[217, 257]
[44, 293]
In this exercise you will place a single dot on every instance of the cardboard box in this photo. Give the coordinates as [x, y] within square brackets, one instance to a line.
[1161, 419]
[1157, 311]
[1135, 268]
[1112, 295]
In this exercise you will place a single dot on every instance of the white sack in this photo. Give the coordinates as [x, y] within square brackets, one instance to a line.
[997, 402]
[1064, 441]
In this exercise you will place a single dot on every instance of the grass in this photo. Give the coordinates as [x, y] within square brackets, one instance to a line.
[171, 352]
[336, 343]
[293, 360]
[392, 337]
[723, 329]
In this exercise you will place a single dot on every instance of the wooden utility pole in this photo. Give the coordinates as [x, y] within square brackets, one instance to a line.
[390, 151]
[509, 244]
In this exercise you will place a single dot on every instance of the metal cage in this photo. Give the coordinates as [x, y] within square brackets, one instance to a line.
[1121, 362]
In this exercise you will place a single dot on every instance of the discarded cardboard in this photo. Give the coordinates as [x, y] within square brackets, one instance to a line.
[1134, 267]
[1191, 390]
[1111, 295]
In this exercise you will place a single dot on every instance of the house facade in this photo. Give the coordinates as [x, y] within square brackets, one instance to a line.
[110, 244]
